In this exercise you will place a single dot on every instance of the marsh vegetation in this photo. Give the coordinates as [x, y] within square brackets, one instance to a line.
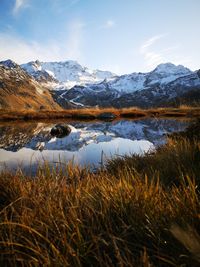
[138, 211]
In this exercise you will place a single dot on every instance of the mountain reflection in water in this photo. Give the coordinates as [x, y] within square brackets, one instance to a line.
[28, 144]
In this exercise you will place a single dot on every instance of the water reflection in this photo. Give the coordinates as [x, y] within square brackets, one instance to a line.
[27, 144]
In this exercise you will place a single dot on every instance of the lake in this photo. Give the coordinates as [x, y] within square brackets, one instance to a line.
[27, 145]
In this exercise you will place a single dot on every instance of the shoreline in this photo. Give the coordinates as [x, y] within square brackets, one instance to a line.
[99, 114]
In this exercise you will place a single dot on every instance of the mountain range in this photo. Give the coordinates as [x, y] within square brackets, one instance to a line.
[74, 86]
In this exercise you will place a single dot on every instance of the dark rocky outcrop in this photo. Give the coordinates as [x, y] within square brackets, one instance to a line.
[60, 130]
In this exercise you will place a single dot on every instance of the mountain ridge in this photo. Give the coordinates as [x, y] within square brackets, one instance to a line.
[66, 73]
[165, 82]
[75, 86]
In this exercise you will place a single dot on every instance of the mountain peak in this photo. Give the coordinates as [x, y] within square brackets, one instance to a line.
[8, 63]
[67, 73]
[171, 68]
[32, 66]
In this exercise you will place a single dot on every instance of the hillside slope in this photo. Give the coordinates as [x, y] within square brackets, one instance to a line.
[19, 91]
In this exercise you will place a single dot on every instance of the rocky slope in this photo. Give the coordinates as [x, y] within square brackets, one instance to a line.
[20, 91]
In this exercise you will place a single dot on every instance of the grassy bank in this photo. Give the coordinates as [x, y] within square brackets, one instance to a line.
[139, 211]
[95, 113]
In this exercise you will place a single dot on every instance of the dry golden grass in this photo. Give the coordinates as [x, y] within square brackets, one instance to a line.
[93, 113]
[141, 211]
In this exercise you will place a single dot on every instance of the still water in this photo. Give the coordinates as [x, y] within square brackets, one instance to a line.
[27, 145]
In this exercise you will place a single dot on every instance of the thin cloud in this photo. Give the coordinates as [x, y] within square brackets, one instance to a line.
[170, 49]
[148, 43]
[19, 4]
[74, 40]
[74, 2]
[108, 24]
[154, 53]
[21, 51]
[151, 57]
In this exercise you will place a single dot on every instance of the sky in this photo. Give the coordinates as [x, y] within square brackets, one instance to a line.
[122, 36]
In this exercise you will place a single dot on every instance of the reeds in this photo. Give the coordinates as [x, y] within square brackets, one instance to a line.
[93, 113]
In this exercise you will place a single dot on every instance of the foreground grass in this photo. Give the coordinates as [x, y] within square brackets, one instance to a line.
[140, 211]
[95, 113]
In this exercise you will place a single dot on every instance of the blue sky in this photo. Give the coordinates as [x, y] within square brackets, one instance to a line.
[118, 35]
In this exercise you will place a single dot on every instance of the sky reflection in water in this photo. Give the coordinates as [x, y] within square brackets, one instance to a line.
[88, 143]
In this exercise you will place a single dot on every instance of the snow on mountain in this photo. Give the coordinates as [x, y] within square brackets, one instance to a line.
[162, 74]
[103, 74]
[168, 72]
[34, 68]
[74, 86]
[165, 82]
[160, 94]
[166, 68]
[67, 74]
[128, 83]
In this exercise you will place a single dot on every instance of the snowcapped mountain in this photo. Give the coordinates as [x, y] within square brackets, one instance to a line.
[162, 74]
[34, 68]
[166, 73]
[75, 86]
[161, 93]
[65, 75]
[165, 82]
